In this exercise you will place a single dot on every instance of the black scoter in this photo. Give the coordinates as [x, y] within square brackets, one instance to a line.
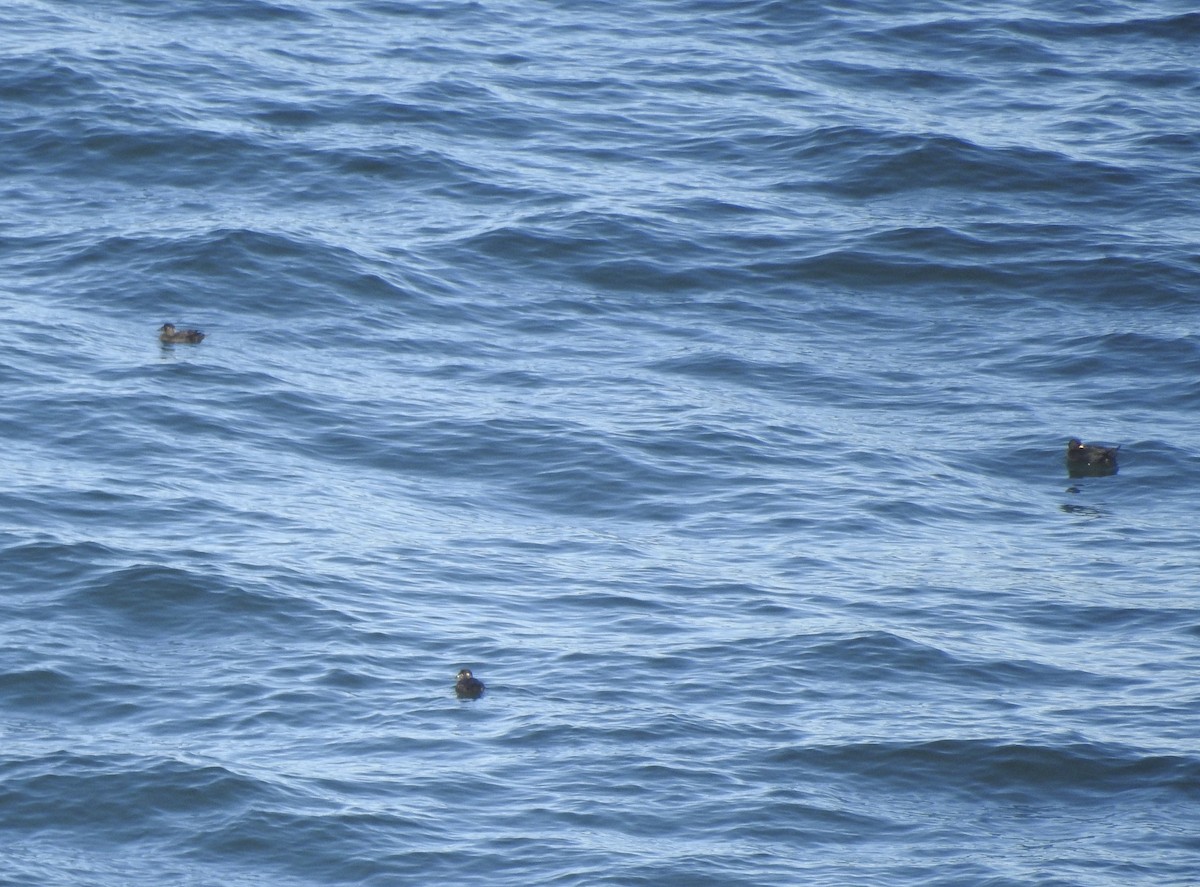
[1079, 453]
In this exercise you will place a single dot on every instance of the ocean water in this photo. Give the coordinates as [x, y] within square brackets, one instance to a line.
[699, 373]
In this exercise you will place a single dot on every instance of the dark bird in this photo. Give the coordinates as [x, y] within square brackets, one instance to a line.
[1091, 458]
[168, 335]
[468, 686]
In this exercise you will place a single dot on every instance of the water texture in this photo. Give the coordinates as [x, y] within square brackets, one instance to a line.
[697, 373]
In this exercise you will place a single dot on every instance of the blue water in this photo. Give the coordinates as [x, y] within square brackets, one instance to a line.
[698, 373]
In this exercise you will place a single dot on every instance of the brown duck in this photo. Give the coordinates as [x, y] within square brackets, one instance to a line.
[468, 686]
[168, 335]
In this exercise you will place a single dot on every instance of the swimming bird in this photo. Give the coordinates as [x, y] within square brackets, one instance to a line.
[468, 686]
[168, 335]
[1091, 456]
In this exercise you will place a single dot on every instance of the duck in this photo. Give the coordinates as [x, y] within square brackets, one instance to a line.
[1081, 455]
[168, 335]
[468, 686]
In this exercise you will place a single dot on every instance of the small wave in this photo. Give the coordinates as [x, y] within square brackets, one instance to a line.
[1183, 27]
[40, 80]
[1010, 770]
[151, 600]
[875, 164]
[225, 10]
[120, 794]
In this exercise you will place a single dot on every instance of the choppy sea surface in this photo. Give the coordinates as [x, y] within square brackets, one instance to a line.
[698, 373]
